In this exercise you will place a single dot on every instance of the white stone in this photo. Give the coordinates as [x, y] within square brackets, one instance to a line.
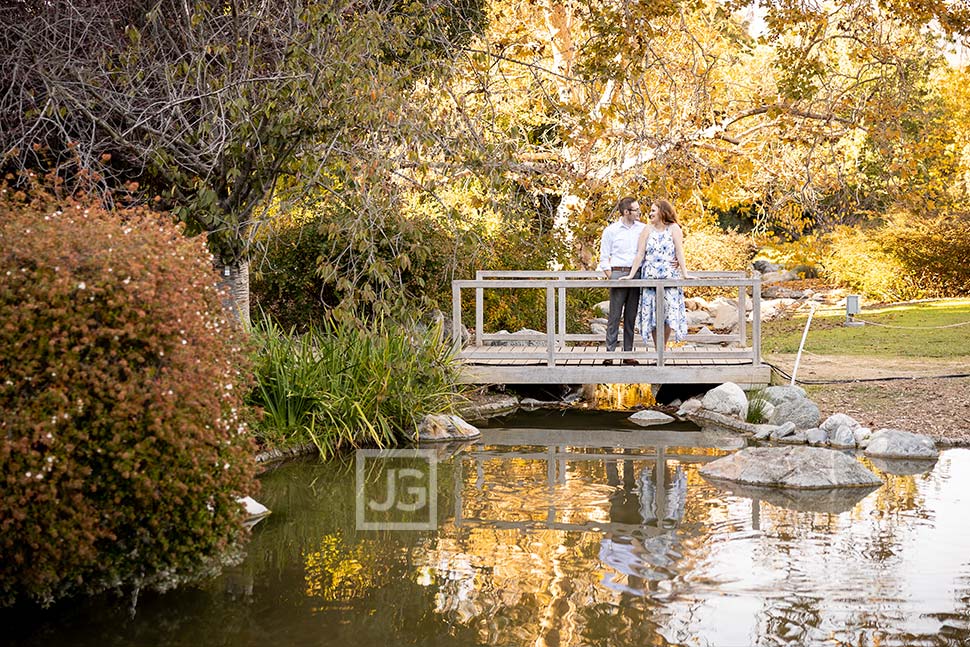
[698, 318]
[837, 420]
[804, 413]
[778, 277]
[816, 436]
[895, 443]
[254, 509]
[791, 467]
[782, 431]
[727, 399]
[842, 437]
[440, 426]
[778, 394]
[862, 435]
[603, 307]
[649, 417]
[725, 315]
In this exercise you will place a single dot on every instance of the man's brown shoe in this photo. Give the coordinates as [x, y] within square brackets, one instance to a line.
[631, 362]
[607, 362]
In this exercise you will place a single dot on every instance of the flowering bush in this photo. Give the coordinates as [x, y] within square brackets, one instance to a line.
[122, 449]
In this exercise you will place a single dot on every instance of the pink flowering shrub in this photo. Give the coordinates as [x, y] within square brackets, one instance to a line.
[122, 448]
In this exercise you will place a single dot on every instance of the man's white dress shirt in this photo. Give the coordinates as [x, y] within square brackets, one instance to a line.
[618, 247]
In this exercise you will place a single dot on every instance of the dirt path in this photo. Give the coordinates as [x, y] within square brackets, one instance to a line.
[923, 403]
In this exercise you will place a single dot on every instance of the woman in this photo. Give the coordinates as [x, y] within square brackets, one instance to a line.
[661, 251]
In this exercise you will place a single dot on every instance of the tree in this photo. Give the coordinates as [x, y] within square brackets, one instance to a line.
[209, 105]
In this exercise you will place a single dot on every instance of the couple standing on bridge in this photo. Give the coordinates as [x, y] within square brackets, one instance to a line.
[631, 249]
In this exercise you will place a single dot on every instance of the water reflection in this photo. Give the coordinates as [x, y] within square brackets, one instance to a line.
[573, 537]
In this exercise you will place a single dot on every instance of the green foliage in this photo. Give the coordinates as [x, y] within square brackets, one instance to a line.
[122, 448]
[349, 386]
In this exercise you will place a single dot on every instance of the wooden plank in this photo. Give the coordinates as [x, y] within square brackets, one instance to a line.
[456, 315]
[756, 320]
[479, 315]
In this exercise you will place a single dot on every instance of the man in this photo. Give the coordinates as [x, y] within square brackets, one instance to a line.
[617, 250]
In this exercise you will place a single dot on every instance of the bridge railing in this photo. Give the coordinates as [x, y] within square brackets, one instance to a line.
[556, 283]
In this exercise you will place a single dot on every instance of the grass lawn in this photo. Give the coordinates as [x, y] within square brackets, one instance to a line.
[918, 331]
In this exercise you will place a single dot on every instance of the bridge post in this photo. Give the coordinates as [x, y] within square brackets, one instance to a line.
[660, 319]
[456, 316]
[551, 323]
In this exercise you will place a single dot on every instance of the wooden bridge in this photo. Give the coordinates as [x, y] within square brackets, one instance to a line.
[557, 357]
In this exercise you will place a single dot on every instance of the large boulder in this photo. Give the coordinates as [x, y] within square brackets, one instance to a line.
[779, 394]
[727, 399]
[443, 427]
[778, 277]
[799, 467]
[649, 417]
[804, 413]
[895, 443]
[725, 313]
[842, 437]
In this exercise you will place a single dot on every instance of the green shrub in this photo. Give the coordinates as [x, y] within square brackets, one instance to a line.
[342, 385]
[122, 450]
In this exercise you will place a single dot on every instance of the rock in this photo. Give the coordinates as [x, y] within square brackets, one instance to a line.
[791, 467]
[725, 315]
[532, 403]
[255, 510]
[895, 443]
[797, 438]
[489, 406]
[764, 266]
[782, 431]
[781, 292]
[438, 427]
[816, 436]
[862, 435]
[597, 328]
[837, 420]
[603, 307]
[696, 303]
[514, 340]
[842, 437]
[437, 318]
[773, 307]
[727, 399]
[778, 394]
[778, 276]
[804, 413]
[767, 410]
[692, 405]
[698, 318]
[649, 417]
[763, 432]
[713, 420]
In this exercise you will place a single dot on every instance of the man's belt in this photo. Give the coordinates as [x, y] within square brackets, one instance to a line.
[617, 268]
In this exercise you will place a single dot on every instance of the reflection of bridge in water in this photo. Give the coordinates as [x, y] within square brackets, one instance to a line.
[556, 356]
[641, 503]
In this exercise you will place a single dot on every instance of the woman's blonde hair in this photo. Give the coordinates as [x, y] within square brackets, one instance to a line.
[667, 212]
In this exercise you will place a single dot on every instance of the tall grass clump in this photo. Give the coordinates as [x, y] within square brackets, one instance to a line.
[757, 407]
[344, 385]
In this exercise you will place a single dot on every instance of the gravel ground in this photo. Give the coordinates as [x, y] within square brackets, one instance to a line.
[922, 403]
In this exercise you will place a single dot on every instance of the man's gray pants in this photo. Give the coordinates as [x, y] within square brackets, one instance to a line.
[623, 302]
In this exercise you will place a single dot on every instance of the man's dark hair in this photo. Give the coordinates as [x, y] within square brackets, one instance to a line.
[625, 203]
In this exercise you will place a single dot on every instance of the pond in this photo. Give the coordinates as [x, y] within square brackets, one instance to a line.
[575, 529]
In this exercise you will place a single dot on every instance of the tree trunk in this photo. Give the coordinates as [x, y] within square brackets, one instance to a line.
[234, 279]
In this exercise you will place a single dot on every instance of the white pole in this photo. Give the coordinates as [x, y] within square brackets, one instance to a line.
[798, 358]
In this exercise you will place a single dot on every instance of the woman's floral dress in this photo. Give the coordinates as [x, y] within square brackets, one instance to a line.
[658, 263]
